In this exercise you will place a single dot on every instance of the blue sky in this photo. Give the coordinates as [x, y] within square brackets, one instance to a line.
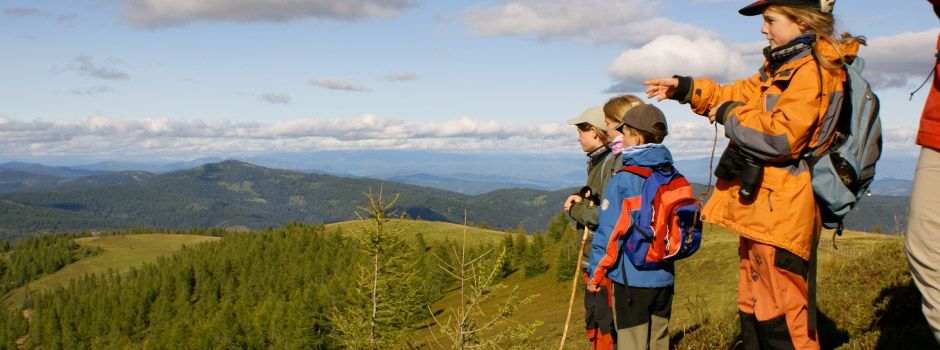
[153, 80]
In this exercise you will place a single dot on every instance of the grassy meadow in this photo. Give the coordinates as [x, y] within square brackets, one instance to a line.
[120, 253]
[433, 231]
[865, 294]
[865, 297]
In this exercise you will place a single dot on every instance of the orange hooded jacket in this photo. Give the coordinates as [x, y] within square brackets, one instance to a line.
[775, 116]
[928, 135]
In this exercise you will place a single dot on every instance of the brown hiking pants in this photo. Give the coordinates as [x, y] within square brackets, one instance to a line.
[772, 298]
[642, 317]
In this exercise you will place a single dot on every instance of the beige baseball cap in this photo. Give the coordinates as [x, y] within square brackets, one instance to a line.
[593, 116]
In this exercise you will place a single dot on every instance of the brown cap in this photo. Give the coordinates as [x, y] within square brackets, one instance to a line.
[824, 6]
[643, 118]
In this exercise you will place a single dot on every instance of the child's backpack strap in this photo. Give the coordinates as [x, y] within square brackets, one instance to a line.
[641, 171]
[645, 174]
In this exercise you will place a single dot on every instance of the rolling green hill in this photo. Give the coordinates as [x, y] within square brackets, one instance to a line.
[233, 193]
[101, 180]
[433, 232]
[238, 290]
[11, 180]
[18, 220]
[118, 253]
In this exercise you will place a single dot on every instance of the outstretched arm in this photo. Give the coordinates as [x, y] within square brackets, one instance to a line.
[661, 88]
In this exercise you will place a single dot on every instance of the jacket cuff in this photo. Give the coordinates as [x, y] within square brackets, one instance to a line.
[683, 92]
[722, 114]
[576, 211]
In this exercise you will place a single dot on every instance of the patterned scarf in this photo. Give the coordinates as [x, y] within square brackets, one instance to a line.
[778, 56]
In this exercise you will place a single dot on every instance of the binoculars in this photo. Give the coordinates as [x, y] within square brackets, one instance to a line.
[736, 162]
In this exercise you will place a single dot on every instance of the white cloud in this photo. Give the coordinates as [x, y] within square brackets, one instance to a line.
[899, 61]
[86, 65]
[102, 136]
[338, 84]
[898, 139]
[66, 18]
[94, 90]
[105, 136]
[163, 13]
[21, 12]
[401, 76]
[282, 99]
[588, 21]
[668, 55]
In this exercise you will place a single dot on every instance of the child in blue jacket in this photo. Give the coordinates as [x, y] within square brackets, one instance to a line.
[642, 298]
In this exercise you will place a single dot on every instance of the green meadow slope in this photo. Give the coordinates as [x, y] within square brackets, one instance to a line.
[866, 299]
[432, 231]
[857, 293]
[118, 253]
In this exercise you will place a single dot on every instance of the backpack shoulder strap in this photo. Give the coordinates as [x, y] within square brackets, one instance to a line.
[641, 171]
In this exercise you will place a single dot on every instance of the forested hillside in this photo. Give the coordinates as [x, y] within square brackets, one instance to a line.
[296, 287]
[101, 180]
[12, 180]
[276, 288]
[233, 194]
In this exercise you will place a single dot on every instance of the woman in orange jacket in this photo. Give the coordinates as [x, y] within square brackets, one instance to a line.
[764, 192]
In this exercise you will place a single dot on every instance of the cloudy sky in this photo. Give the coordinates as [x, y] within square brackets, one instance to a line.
[150, 80]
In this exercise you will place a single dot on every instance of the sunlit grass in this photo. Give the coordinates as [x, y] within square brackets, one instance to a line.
[120, 253]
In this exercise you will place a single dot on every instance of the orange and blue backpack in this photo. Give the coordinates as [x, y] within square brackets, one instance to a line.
[668, 227]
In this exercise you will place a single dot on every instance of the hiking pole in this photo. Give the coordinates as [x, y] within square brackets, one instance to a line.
[574, 287]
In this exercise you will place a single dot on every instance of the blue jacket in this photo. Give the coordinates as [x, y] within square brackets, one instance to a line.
[606, 256]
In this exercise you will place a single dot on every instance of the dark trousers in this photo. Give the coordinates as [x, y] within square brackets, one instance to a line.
[599, 318]
[642, 317]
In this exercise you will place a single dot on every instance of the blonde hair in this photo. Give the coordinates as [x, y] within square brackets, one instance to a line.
[617, 107]
[823, 25]
[601, 133]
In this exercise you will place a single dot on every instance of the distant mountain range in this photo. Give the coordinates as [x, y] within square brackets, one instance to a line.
[471, 174]
[234, 193]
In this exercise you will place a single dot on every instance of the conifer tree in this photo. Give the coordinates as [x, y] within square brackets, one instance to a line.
[506, 266]
[557, 227]
[386, 288]
[566, 259]
[469, 328]
[519, 248]
[533, 257]
[507, 242]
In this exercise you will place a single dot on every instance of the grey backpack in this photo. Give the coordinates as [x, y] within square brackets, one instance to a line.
[843, 171]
